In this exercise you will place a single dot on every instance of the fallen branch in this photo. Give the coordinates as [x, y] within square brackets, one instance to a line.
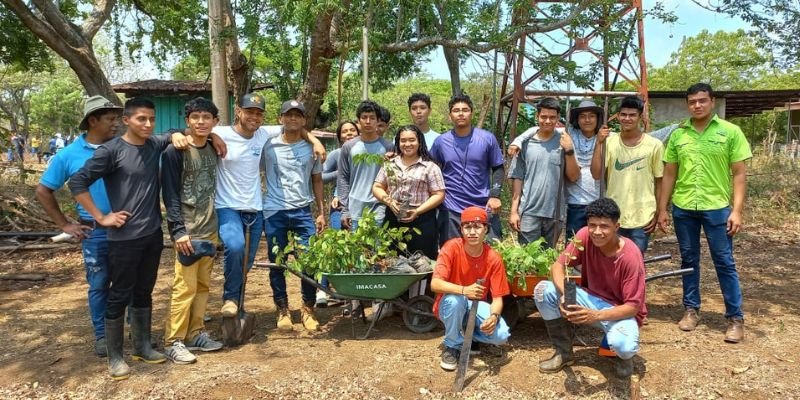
[23, 277]
[38, 247]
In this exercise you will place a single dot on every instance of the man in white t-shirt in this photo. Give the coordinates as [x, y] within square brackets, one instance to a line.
[419, 106]
[238, 199]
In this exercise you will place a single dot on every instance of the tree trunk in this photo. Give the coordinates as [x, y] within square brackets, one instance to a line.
[453, 66]
[238, 77]
[319, 67]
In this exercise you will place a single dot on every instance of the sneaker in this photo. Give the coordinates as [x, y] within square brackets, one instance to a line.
[203, 342]
[322, 299]
[178, 353]
[309, 319]
[230, 308]
[284, 319]
[689, 320]
[100, 347]
[450, 359]
[475, 348]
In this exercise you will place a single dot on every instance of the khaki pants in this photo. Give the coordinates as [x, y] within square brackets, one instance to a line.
[189, 300]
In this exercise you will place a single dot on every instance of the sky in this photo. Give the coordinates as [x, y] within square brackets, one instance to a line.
[661, 40]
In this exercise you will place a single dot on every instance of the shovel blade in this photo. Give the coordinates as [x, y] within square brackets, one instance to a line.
[237, 330]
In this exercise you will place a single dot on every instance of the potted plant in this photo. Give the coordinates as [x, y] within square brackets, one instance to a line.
[527, 265]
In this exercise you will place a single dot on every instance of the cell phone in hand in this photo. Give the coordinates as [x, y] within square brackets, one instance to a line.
[570, 292]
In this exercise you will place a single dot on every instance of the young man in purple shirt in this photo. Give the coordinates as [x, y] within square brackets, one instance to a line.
[472, 165]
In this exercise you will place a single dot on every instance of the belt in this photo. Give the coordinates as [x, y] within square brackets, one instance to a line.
[90, 222]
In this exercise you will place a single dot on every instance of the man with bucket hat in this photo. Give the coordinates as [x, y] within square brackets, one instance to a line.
[584, 124]
[100, 118]
[238, 200]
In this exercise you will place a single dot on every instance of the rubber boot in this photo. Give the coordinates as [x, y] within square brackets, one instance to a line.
[140, 330]
[624, 368]
[561, 333]
[115, 335]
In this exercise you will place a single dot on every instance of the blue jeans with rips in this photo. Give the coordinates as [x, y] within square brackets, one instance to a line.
[95, 258]
[453, 312]
[720, 245]
[277, 228]
[622, 335]
[231, 232]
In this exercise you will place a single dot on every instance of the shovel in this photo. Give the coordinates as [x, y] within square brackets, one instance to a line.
[463, 359]
[239, 329]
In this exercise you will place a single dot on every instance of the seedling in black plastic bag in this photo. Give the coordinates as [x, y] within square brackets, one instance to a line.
[570, 292]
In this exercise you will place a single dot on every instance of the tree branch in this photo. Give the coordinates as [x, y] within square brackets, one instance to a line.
[439, 40]
[56, 20]
[98, 17]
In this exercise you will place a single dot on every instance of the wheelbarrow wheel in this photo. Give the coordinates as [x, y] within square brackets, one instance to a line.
[416, 322]
[510, 311]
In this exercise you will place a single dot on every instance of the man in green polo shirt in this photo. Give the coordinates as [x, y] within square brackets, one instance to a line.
[700, 158]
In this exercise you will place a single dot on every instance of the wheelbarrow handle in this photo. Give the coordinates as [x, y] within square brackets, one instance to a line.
[657, 258]
[678, 272]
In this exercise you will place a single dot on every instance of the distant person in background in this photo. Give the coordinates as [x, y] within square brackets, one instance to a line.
[35, 143]
[419, 107]
[59, 143]
[384, 118]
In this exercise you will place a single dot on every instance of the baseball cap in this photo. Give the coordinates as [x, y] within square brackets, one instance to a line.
[474, 214]
[253, 100]
[293, 105]
[93, 104]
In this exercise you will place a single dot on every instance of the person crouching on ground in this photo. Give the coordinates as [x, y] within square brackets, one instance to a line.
[462, 261]
[613, 300]
[188, 180]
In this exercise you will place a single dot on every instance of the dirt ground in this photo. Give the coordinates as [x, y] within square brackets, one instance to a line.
[47, 350]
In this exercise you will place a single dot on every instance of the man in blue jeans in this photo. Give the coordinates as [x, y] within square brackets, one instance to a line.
[238, 200]
[100, 117]
[461, 262]
[705, 156]
[294, 183]
[611, 295]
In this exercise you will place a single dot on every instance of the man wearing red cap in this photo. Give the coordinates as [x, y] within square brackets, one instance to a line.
[462, 261]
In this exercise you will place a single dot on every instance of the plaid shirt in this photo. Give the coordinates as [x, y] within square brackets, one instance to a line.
[420, 179]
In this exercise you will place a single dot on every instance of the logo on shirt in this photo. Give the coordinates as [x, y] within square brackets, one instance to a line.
[619, 166]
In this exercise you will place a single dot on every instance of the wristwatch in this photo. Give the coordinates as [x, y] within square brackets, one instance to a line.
[569, 152]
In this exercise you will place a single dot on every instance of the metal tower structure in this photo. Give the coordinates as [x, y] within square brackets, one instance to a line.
[522, 79]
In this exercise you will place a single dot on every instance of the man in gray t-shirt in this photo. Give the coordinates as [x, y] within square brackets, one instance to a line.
[292, 176]
[536, 178]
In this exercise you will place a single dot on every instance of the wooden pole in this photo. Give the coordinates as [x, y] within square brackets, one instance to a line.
[365, 62]
[219, 83]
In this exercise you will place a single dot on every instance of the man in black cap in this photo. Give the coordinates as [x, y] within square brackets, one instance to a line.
[294, 183]
[238, 198]
[584, 123]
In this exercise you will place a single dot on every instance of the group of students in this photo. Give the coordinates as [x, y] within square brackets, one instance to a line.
[447, 185]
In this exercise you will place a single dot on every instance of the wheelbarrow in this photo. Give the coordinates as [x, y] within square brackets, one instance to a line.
[418, 314]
